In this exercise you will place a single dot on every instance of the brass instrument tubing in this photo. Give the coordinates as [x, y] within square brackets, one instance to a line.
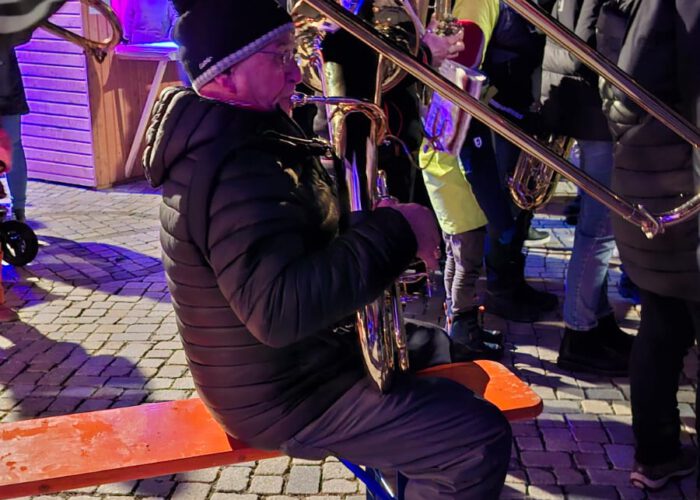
[636, 214]
[604, 67]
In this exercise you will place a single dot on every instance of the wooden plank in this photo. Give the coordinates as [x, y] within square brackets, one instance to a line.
[43, 83]
[52, 132]
[58, 157]
[55, 45]
[48, 71]
[60, 109]
[53, 171]
[114, 445]
[64, 179]
[75, 98]
[81, 148]
[53, 58]
[63, 122]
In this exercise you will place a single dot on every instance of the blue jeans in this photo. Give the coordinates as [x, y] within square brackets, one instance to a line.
[586, 297]
[17, 178]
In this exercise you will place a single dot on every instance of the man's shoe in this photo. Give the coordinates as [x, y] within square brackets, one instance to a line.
[19, 214]
[655, 477]
[470, 341]
[536, 237]
[584, 351]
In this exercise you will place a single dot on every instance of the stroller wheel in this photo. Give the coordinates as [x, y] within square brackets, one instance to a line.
[19, 243]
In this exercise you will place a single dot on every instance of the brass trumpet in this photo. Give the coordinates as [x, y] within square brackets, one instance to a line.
[650, 224]
[97, 49]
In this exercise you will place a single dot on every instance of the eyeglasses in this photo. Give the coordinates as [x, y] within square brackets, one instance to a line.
[283, 58]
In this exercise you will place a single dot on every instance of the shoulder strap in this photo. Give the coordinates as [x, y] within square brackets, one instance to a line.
[201, 187]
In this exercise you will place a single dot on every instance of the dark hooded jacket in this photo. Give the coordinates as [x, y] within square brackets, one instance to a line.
[257, 324]
[570, 98]
[653, 166]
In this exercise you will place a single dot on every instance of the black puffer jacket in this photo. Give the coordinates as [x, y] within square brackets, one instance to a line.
[12, 98]
[570, 98]
[653, 166]
[257, 325]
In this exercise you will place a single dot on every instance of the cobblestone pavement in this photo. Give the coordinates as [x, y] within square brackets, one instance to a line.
[97, 331]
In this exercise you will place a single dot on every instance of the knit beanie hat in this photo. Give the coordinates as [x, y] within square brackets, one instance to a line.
[213, 35]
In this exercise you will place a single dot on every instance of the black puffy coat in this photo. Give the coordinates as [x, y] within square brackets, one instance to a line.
[12, 98]
[257, 324]
[653, 166]
[571, 104]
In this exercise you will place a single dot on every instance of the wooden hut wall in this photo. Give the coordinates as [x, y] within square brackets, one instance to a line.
[57, 134]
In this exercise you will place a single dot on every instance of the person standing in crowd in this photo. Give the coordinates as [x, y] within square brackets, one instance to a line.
[654, 167]
[13, 104]
[571, 107]
[493, 32]
[260, 300]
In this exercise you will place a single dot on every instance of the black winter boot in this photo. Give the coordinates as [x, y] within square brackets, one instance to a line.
[587, 351]
[470, 341]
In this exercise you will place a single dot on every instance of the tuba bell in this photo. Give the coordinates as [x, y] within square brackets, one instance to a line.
[380, 326]
[97, 49]
[533, 183]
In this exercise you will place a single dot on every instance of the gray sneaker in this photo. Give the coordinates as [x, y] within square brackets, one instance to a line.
[655, 477]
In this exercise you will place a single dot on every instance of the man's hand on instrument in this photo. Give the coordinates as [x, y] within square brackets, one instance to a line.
[5, 152]
[442, 47]
[425, 229]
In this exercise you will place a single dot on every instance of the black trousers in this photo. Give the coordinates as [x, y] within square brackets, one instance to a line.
[447, 443]
[668, 329]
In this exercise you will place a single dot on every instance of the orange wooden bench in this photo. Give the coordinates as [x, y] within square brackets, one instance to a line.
[52, 454]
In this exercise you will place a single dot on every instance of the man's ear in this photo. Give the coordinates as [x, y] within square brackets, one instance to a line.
[226, 81]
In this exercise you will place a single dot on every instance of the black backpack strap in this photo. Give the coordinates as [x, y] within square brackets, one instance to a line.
[201, 187]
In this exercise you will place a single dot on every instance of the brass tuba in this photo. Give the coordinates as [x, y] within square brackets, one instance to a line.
[97, 49]
[380, 326]
[533, 183]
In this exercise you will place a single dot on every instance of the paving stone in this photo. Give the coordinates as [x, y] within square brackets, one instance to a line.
[191, 491]
[234, 479]
[234, 496]
[305, 479]
[339, 486]
[273, 466]
[596, 407]
[621, 456]
[266, 484]
[540, 476]
[608, 477]
[590, 460]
